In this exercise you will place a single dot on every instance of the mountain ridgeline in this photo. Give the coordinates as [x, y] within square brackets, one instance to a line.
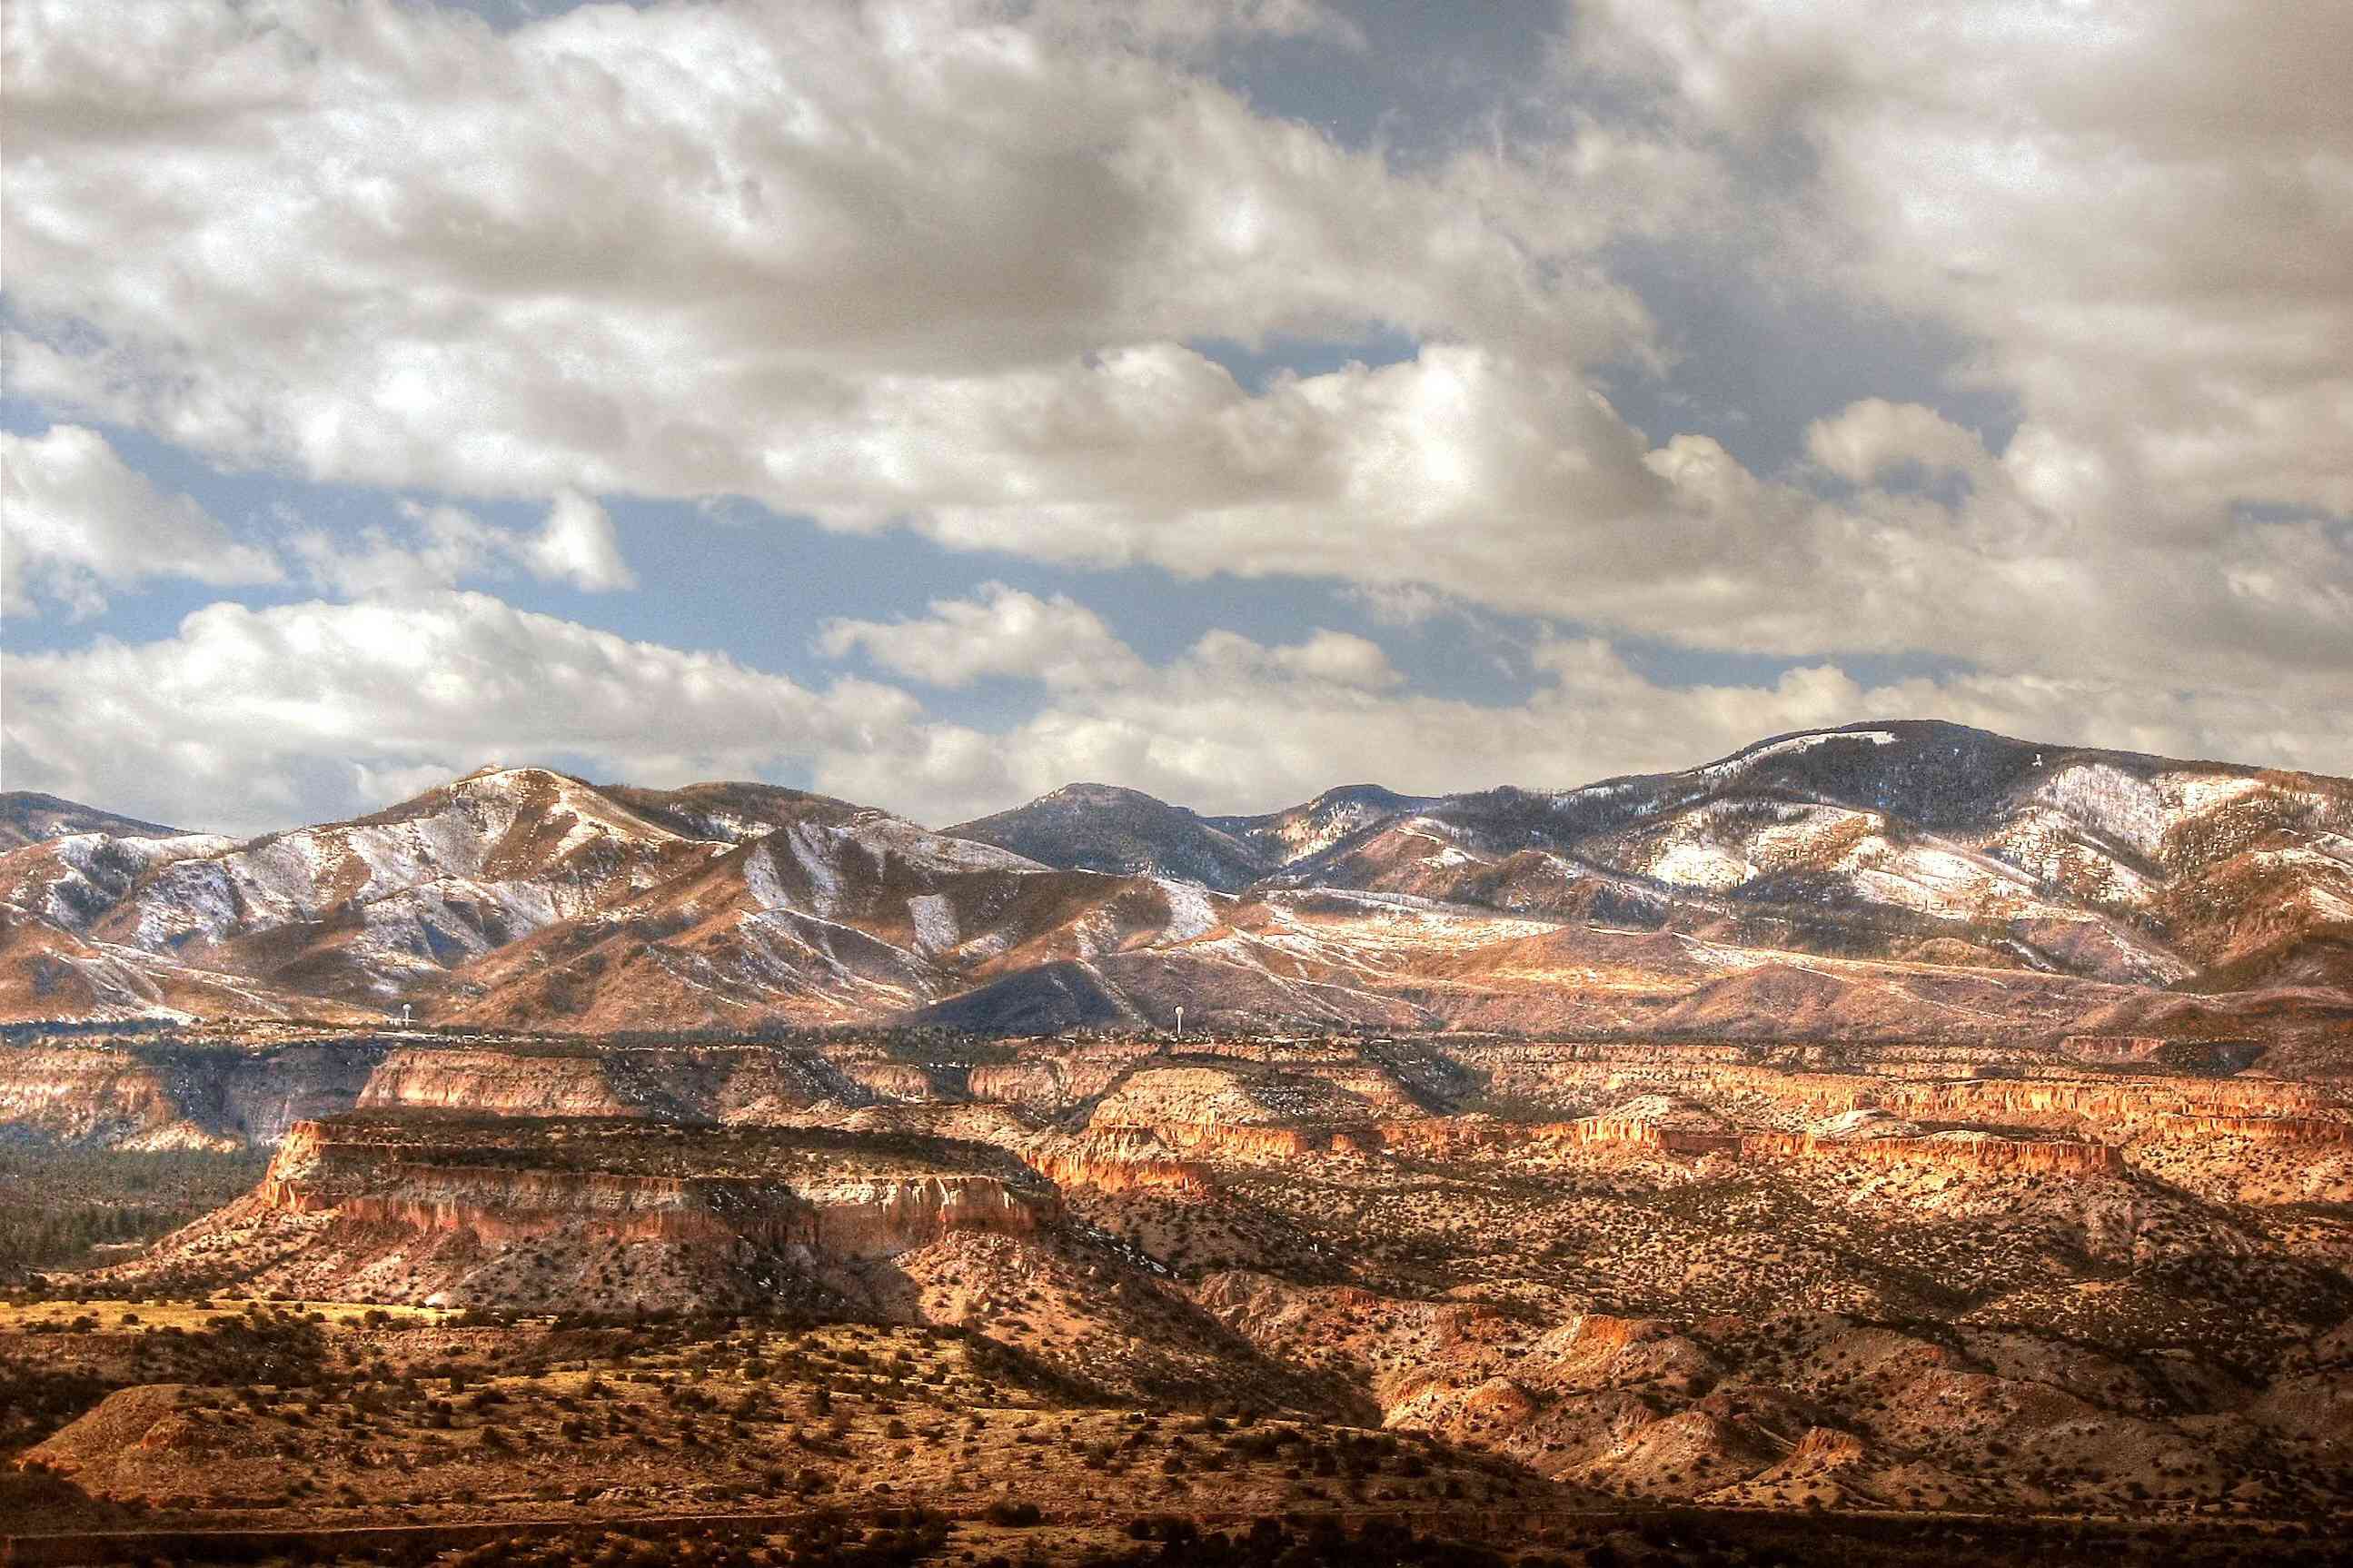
[1899, 879]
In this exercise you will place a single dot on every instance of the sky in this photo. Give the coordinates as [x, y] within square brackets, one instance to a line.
[935, 404]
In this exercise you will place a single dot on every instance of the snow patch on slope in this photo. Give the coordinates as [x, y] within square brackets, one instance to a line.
[2198, 794]
[934, 921]
[929, 851]
[1696, 865]
[1190, 913]
[2108, 798]
[1805, 742]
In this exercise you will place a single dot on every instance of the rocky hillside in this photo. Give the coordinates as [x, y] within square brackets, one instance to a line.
[1898, 878]
[2103, 1275]
[1100, 827]
[28, 817]
[430, 1207]
[1916, 836]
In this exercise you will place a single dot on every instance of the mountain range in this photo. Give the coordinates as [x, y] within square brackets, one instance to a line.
[1897, 879]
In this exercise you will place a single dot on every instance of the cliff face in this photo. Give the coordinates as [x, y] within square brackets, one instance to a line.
[852, 1220]
[1112, 1161]
[1636, 1131]
[2007, 1088]
[1949, 1151]
[879, 1216]
[596, 1213]
[500, 1083]
[1455, 1136]
[2289, 1129]
[162, 1096]
[835, 1206]
[891, 1080]
[1444, 1137]
[87, 1096]
[1246, 1144]
[1053, 1075]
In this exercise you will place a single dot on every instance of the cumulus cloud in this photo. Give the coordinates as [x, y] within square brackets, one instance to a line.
[250, 719]
[430, 547]
[246, 719]
[578, 546]
[950, 269]
[1868, 438]
[2138, 215]
[76, 520]
[1234, 724]
[439, 546]
[1003, 632]
[637, 250]
[1190, 27]
[937, 267]
[1325, 659]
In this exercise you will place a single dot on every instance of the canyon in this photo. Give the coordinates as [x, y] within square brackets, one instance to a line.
[1745, 1274]
[1889, 1123]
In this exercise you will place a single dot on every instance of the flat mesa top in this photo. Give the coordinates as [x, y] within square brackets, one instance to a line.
[638, 1147]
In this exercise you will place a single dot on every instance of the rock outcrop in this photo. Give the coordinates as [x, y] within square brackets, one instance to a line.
[496, 1082]
[1115, 1160]
[412, 1206]
[2304, 1130]
[1957, 1151]
[831, 1193]
[136, 1095]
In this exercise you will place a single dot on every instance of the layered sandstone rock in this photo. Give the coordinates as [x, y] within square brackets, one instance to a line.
[79, 1096]
[1050, 1075]
[1964, 1151]
[2309, 1130]
[1216, 1112]
[1244, 1143]
[830, 1192]
[891, 1080]
[2012, 1089]
[1115, 1160]
[151, 1097]
[497, 1082]
[1641, 1132]
[412, 1206]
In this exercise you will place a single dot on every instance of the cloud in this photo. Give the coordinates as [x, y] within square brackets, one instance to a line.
[1003, 632]
[432, 547]
[75, 520]
[1188, 27]
[1229, 728]
[250, 719]
[1325, 659]
[245, 719]
[1234, 724]
[2138, 215]
[439, 546]
[1868, 438]
[940, 268]
[644, 251]
[635, 250]
[578, 546]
